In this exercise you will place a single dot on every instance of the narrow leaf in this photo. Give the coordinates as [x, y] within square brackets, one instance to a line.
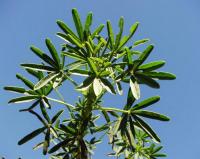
[107, 85]
[31, 135]
[145, 127]
[135, 88]
[151, 115]
[53, 52]
[23, 99]
[146, 103]
[55, 117]
[38, 67]
[77, 22]
[15, 89]
[161, 75]
[151, 66]
[45, 80]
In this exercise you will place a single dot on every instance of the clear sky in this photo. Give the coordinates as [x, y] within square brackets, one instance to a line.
[172, 25]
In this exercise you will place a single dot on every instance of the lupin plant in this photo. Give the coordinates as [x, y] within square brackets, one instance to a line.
[106, 64]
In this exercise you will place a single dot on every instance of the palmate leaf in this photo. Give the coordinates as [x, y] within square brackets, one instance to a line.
[151, 66]
[45, 80]
[145, 103]
[31, 135]
[53, 52]
[145, 127]
[151, 115]
[77, 22]
[23, 99]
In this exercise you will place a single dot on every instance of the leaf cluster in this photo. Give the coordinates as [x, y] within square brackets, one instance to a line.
[106, 64]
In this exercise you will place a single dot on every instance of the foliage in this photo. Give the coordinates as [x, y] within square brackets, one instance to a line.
[106, 64]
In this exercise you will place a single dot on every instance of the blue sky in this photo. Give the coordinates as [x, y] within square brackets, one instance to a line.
[172, 25]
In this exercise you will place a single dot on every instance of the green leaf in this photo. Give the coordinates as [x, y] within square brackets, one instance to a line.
[145, 127]
[77, 23]
[46, 142]
[100, 128]
[45, 80]
[86, 83]
[110, 34]
[130, 98]
[80, 72]
[107, 85]
[135, 88]
[92, 66]
[38, 67]
[43, 56]
[119, 35]
[44, 112]
[38, 117]
[160, 75]
[66, 29]
[38, 74]
[55, 117]
[151, 115]
[31, 135]
[151, 66]
[88, 23]
[106, 116]
[59, 145]
[73, 55]
[125, 39]
[70, 39]
[53, 52]
[147, 80]
[97, 31]
[15, 89]
[159, 155]
[98, 47]
[145, 54]
[97, 86]
[119, 88]
[139, 42]
[25, 81]
[23, 99]
[68, 129]
[146, 103]
[129, 55]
